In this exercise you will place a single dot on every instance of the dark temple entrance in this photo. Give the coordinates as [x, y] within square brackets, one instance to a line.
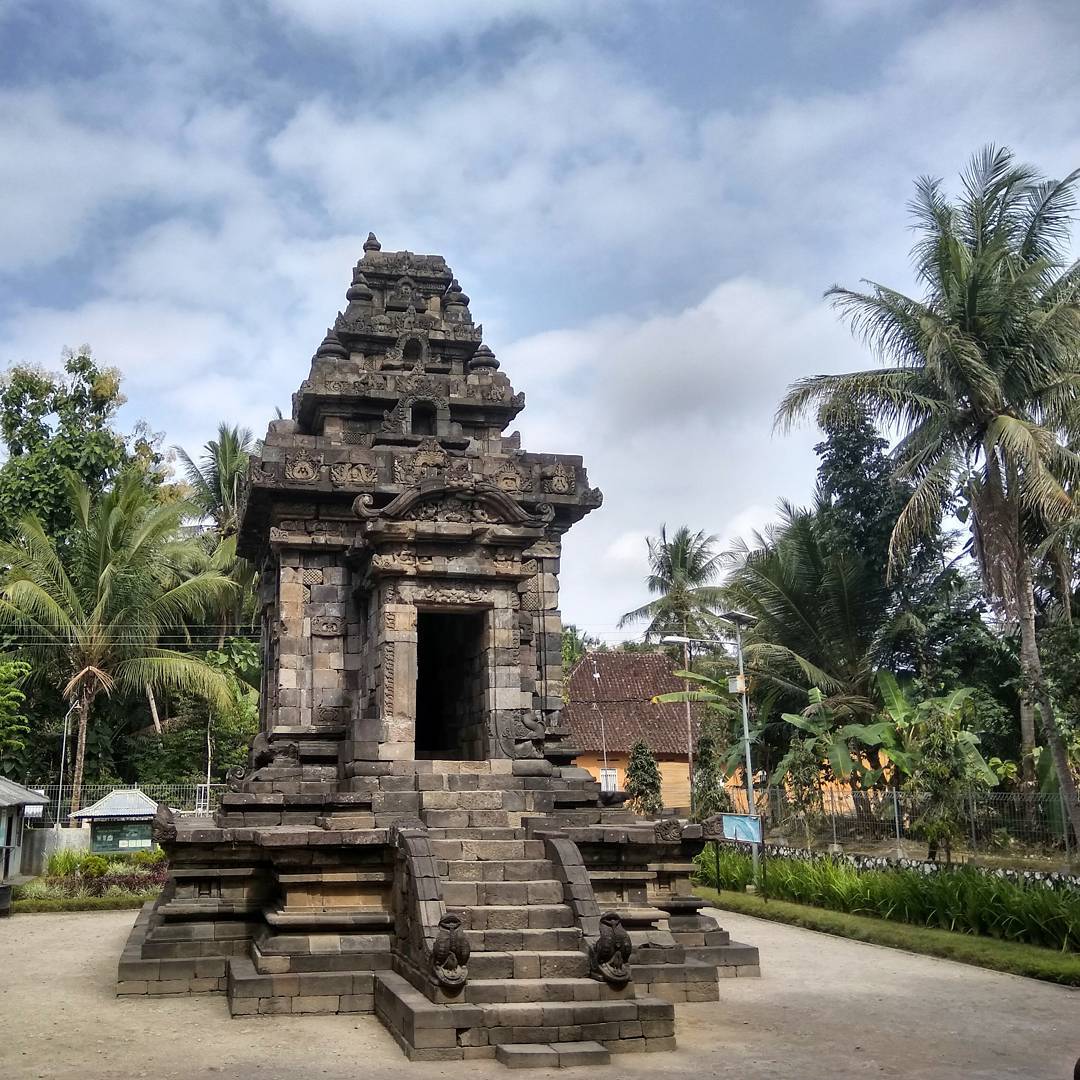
[451, 686]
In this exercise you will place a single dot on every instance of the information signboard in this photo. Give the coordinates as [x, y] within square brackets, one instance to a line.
[744, 828]
[110, 836]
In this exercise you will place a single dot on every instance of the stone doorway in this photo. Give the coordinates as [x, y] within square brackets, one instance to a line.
[451, 685]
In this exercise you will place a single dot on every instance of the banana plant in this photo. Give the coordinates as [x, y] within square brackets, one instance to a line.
[836, 745]
[909, 724]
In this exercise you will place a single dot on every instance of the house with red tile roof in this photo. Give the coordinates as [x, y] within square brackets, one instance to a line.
[609, 707]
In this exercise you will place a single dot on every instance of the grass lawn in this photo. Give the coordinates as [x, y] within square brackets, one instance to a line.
[1036, 963]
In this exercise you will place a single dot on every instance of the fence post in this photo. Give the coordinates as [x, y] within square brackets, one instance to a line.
[896, 822]
[832, 815]
[974, 840]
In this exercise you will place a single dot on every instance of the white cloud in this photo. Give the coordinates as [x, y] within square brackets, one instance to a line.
[669, 250]
[377, 25]
[673, 416]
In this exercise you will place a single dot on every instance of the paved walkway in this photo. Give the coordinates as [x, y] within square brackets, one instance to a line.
[825, 1009]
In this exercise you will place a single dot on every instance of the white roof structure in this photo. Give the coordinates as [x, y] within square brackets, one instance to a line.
[122, 803]
[12, 794]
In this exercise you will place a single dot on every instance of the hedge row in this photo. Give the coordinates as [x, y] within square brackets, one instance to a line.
[86, 903]
[960, 899]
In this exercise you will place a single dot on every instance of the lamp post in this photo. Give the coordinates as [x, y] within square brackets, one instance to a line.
[738, 620]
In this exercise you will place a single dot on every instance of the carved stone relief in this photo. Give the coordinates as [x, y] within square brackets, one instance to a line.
[561, 481]
[302, 466]
[358, 472]
[510, 478]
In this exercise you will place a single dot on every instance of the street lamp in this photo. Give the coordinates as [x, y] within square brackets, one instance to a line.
[739, 620]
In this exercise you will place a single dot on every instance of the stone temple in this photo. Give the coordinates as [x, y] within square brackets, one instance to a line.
[411, 837]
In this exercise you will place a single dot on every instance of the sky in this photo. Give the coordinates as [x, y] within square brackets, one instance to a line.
[645, 199]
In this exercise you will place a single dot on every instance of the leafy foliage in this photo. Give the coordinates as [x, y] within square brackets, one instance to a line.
[575, 644]
[982, 381]
[962, 900]
[91, 617]
[643, 781]
[14, 728]
[55, 425]
[710, 768]
[217, 478]
[681, 572]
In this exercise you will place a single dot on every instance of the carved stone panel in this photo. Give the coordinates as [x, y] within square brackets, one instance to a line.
[302, 466]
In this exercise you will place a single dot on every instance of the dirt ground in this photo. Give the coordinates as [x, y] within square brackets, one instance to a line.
[825, 1009]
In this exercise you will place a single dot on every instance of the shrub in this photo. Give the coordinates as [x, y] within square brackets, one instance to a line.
[94, 866]
[64, 863]
[963, 900]
[643, 783]
[150, 857]
[81, 903]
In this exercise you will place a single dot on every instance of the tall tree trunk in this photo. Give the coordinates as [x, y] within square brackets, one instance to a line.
[83, 713]
[153, 709]
[1064, 583]
[1031, 663]
[1027, 736]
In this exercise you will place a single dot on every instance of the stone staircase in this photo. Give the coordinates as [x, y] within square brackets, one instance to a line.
[529, 999]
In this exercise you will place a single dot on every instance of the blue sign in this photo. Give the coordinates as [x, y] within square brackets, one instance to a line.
[746, 828]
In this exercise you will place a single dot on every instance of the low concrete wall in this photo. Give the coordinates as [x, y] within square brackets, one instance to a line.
[39, 844]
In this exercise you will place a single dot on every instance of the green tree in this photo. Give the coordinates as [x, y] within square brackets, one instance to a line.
[981, 379]
[14, 727]
[92, 615]
[822, 616]
[710, 767]
[180, 754]
[945, 773]
[217, 478]
[575, 644]
[681, 572]
[56, 424]
[643, 781]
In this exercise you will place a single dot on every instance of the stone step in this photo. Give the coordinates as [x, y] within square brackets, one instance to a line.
[471, 819]
[491, 799]
[547, 988]
[467, 848]
[250, 992]
[519, 965]
[489, 833]
[501, 893]
[489, 782]
[561, 939]
[559, 1055]
[617, 1024]
[425, 1030]
[513, 916]
[509, 870]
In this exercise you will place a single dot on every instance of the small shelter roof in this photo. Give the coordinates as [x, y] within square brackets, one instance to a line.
[622, 697]
[121, 803]
[12, 794]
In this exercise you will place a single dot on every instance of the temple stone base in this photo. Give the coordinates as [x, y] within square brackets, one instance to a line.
[294, 917]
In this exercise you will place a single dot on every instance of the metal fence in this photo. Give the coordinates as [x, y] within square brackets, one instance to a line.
[195, 799]
[995, 823]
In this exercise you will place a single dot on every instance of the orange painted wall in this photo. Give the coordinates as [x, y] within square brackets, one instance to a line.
[674, 776]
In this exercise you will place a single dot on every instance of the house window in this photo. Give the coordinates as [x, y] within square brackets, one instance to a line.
[609, 780]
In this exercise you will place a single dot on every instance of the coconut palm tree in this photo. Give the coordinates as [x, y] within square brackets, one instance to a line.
[216, 479]
[681, 571]
[823, 617]
[93, 614]
[981, 381]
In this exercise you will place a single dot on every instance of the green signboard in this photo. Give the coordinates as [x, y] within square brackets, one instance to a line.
[113, 836]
